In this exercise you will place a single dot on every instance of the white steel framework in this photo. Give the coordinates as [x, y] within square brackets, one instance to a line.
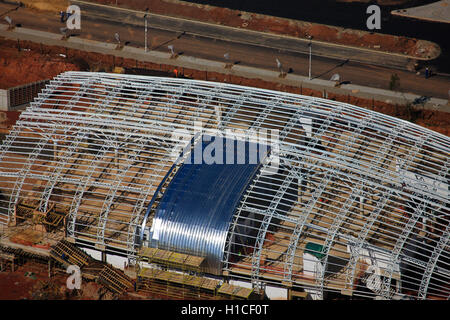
[359, 205]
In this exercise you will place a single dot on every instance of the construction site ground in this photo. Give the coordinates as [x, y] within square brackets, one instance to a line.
[41, 280]
[26, 66]
[35, 62]
[41, 62]
[32, 282]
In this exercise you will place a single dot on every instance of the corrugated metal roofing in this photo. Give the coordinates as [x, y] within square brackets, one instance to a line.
[194, 214]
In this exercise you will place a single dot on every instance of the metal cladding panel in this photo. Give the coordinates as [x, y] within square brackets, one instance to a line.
[197, 207]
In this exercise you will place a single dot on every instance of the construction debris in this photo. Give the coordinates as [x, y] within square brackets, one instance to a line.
[47, 290]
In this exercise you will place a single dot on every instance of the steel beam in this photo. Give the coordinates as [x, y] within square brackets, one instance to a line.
[108, 204]
[72, 216]
[357, 190]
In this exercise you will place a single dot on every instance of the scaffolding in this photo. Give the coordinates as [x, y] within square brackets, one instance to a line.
[93, 149]
[171, 259]
[175, 285]
[174, 275]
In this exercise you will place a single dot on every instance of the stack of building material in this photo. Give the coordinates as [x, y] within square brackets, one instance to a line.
[180, 278]
[68, 254]
[176, 285]
[92, 270]
[171, 259]
[235, 292]
[19, 253]
[115, 280]
[27, 237]
[111, 278]
[50, 218]
[24, 210]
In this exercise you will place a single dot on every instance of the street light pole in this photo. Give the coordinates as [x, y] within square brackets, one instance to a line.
[145, 23]
[145, 33]
[309, 58]
[310, 54]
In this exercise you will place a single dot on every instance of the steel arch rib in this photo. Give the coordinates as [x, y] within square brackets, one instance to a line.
[337, 221]
[26, 169]
[4, 147]
[56, 174]
[108, 203]
[139, 206]
[356, 192]
[85, 180]
[255, 125]
[290, 253]
[137, 210]
[371, 219]
[256, 259]
[223, 125]
[395, 253]
[443, 242]
[287, 180]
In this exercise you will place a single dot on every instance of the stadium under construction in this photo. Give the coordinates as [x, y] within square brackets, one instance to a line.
[230, 189]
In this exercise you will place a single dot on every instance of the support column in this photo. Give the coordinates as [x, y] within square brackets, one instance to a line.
[102, 249]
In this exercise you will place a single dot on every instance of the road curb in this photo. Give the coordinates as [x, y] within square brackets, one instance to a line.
[245, 36]
[204, 65]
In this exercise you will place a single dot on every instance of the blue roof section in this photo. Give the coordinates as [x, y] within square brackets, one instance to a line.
[194, 214]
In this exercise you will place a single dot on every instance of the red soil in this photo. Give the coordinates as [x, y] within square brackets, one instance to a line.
[21, 67]
[23, 282]
[8, 118]
[80, 60]
[31, 281]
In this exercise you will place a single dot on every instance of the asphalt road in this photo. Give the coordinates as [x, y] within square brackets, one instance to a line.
[243, 35]
[244, 54]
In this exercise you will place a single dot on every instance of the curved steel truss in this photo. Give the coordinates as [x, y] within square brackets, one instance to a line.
[349, 201]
